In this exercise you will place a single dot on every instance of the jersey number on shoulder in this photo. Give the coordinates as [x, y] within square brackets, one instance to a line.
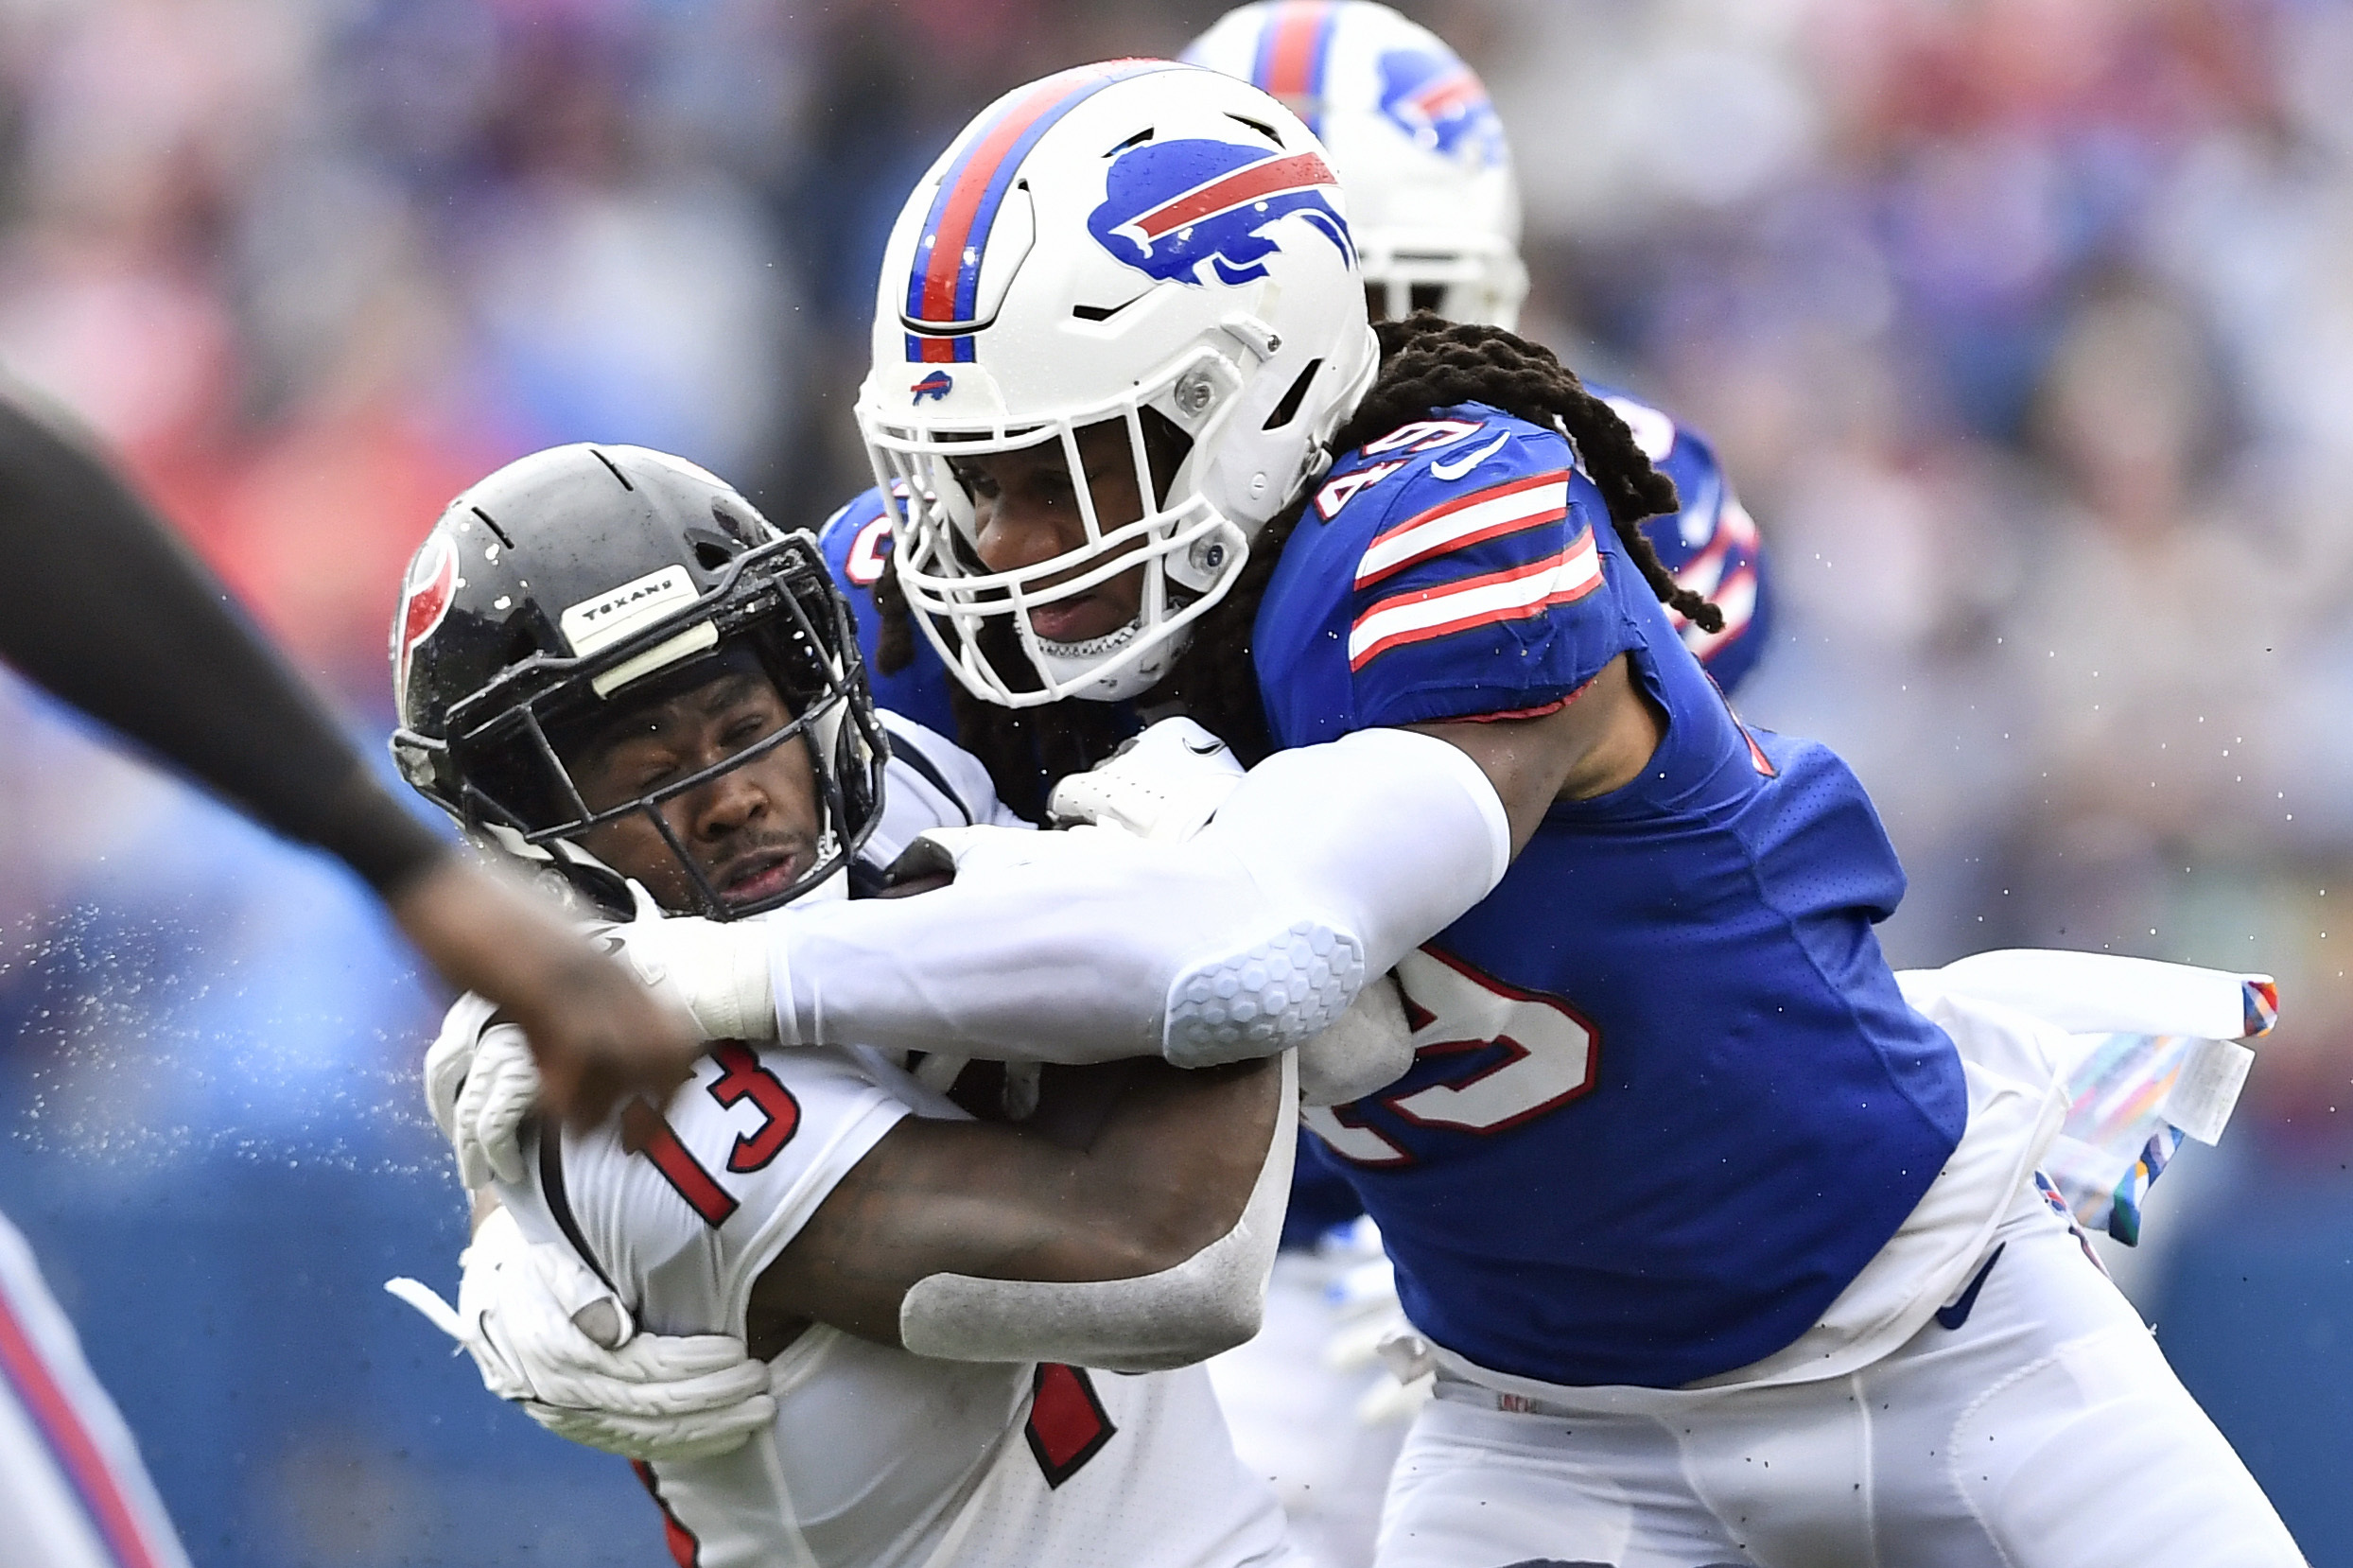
[1422, 435]
[869, 552]
[741, 1079]
[1549, 1056]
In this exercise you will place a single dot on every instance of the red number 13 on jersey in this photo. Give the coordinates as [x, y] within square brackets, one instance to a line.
[742, 1078]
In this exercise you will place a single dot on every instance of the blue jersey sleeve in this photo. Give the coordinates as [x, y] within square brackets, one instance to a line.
[856, 544]
[1455, 568]
[1711, 543]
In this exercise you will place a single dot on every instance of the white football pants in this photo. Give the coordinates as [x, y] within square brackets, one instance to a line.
[2041, 1429]
[73, 1493]
[1294, 1416]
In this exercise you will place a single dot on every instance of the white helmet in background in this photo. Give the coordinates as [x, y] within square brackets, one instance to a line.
[1413, 137]
[1132, 242]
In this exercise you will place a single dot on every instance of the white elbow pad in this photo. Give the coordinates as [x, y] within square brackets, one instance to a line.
[1373, 844]
[1210, 1302]
[1281, 990]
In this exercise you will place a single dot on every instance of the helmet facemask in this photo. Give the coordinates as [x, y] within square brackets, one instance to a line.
[499, 766]
[1187, 552]
[1462, 276]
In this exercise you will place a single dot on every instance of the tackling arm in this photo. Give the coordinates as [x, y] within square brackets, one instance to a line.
[1144, 1245]
[1325, 865]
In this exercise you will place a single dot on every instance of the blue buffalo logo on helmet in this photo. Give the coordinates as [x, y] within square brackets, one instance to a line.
[1170, 207]
[1440, 103]
[936, 386]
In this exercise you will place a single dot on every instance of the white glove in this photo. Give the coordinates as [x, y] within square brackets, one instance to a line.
[450, 1058]
[1164, 786]
[1368, 1047]
[501, 1090]
[481, 1082]
[715, 969]
[519, 1313]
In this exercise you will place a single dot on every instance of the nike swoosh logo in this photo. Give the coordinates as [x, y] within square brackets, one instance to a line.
[1957, 1313]
[1209, 750]
[1445, 470]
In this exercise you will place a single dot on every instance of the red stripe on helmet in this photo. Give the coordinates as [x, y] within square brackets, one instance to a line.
[964, 202]
[1299, 170]
[1291, 54]
[1450, 92]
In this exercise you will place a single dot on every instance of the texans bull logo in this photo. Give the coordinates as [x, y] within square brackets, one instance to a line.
[1440, 103]
[1170, 207]
[425, 603]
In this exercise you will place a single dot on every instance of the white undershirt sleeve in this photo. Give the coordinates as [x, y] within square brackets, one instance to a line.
[1326, 865]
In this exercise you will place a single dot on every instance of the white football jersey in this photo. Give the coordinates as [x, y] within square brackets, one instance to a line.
[878, 1458]
[933, 782]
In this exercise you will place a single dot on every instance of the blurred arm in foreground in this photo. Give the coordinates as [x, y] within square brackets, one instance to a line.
[112, 612]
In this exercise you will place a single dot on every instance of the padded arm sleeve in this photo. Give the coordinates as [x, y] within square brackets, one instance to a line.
[1326, 864]
[1211, 1301]
[111, 611]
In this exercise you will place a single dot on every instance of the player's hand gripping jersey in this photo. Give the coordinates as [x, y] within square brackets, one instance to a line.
[1711, 544]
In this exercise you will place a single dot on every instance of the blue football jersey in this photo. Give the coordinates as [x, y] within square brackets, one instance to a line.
[1666, 1099]
[1709, 542]
[856, 544]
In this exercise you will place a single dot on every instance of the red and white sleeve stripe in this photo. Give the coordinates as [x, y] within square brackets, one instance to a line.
[73, 1493]
[1711, 575]
[1510, 595]
[1465, 522]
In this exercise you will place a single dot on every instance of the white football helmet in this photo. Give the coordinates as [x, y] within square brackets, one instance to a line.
[1117, 238]
[1413, 138]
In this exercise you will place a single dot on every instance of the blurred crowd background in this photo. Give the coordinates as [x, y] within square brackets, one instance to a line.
[2025, 328]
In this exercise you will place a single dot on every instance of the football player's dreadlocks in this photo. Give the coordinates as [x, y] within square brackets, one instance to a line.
[1427, 364]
